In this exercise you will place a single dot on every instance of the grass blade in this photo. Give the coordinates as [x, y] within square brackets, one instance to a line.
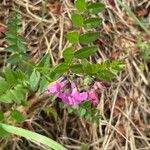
[32, 136]
[133, 15]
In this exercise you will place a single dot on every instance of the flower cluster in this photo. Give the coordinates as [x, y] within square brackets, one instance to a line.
[73, 96]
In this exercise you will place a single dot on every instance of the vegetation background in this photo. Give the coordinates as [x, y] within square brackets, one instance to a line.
[124, 107]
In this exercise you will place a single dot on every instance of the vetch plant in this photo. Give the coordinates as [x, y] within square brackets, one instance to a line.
[77, 83]
[72, 96]
[76, 65]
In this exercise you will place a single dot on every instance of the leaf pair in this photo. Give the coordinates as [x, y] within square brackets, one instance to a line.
[84, 7]
[91, 22]
[86, 38]
[94, 8]
[82, 53]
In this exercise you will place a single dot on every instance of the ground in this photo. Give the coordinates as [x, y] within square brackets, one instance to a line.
[125, 107]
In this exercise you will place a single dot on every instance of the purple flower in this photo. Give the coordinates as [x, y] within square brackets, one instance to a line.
[74, 97]
[93, 96]
[70, 97]
[99, 85]
[57, 86]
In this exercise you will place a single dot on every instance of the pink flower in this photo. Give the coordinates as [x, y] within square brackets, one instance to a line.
[74, 97]
[99, 85]
[70, 97]
[93, 96]
[77, 98]
[57, 86]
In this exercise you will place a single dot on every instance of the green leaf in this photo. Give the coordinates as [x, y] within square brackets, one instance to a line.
[82, 112]
[10, 77]
[105, 75]
[4, 134]
[18, 116]
[34, 80]
[32, 136]
[86, 66]
[76, 68]
[95, 7]
[14, 95]
[21, 47]
[88, 80]
[81, 5]
[73, 37]
[70, 110]
[51, 111]
[45, 61]
[14, 40]
[16, 43]
[117, 66]
[107, 70]
[3, 85]
[17, 58]
[20, 75]
[6, 98]
[88, 37]
[11, 48]
[77, 20]
[1, 116]
[92, 22]
[43, 84]
[19, 93]
[86, 105]
[84, 147]
[61, 68]
[11, 36]
[68, 54]
[85, 52]
[14, 59]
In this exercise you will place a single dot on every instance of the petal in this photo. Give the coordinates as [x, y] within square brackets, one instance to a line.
[61, 95]
[71, 101]
[56, 87]
[93, 96]
[52, 88]
[73, 85]
[78, 98]
[73, 89]
[83, 96]
[101, 85]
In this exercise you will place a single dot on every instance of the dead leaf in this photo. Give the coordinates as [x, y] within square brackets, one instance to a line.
[115, 55]
[56, 8]
[119, 105]
[121, 129]
[142, 13]
[120, 102]
[2, 30]
[112, 3]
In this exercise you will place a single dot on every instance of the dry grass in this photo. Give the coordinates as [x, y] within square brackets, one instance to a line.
[125, 107]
